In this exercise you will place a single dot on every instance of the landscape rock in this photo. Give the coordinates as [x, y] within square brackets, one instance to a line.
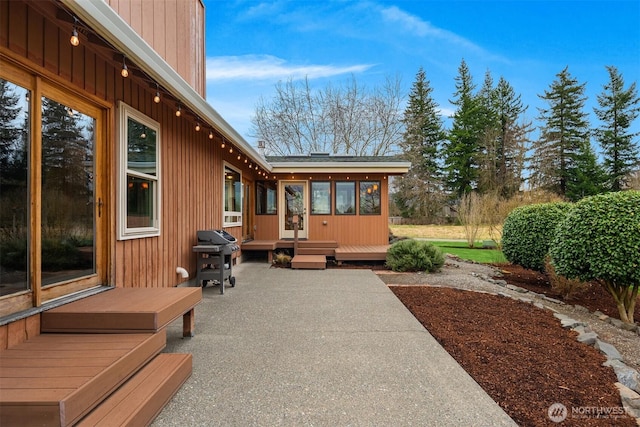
[588, 338]
[629, 377]
[608, 350]
[630, 400]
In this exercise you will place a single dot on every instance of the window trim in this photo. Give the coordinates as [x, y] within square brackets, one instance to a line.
[226, 213]
[311, 198]
[378, 190]
[264, 184]
[355, 198]
[124, 232]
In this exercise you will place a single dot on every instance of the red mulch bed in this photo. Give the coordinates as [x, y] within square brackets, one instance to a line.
[519, 354]
[595, 297]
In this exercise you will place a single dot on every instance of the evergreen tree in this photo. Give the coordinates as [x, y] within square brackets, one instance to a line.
[9, 130]
[563, 137]
[512, 141]
[419, 192]
[619, 108]
[462, 150]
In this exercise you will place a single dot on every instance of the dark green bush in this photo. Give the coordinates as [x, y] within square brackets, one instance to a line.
[600, 240]
[528, 232]
[414, 255]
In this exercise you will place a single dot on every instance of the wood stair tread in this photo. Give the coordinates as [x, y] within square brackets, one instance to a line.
[309, 262]
[138, 401]
[58, 395]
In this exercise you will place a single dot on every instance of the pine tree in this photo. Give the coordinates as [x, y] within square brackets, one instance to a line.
[563, 136]
[462, 150]
[512, 141]
[9, 130]
[420, 190]
[619, 108]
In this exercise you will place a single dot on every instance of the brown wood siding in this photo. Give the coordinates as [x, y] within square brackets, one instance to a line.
[175, 29]
[16, 332]
[192, 164]
[344, 229]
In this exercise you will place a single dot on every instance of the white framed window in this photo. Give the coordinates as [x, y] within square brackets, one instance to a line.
[138, 175]
[232, 193]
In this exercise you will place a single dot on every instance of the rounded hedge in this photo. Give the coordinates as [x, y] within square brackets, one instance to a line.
[600, 239]
[414, 255]
[528, 232]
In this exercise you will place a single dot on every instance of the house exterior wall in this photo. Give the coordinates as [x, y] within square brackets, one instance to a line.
[174, 29]
[345, 229]
[34, 39]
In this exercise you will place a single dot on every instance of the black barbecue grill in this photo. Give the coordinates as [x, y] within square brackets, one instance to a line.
[215, 263]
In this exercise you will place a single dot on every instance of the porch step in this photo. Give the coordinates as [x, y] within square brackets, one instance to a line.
[317, 251]
[330, 244]
[140, 400]
[56, 379]
[309, 262]
[125, 310]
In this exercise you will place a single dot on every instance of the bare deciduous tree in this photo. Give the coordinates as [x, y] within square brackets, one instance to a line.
[341, 120]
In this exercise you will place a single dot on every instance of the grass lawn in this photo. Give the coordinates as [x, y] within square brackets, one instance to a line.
[442, 236]
[462, 250]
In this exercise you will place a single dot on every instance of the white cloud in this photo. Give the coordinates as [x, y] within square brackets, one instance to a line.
[267, 67]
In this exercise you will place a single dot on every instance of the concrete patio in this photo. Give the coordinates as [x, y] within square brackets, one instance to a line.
[318, 347]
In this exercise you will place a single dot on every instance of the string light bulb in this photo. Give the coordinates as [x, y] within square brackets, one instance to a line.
[156, 98]
[74, 40]
[222, 145]
[210, 134]
[231, 150]
[239, 156]
[125, 71]
[197, 126]
[178, 111]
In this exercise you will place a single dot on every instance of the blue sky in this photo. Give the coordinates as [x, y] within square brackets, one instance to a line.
[251, 45]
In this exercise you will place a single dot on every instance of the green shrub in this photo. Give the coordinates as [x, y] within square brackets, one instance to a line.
[600, 240]
[414, 255]
[528, 232]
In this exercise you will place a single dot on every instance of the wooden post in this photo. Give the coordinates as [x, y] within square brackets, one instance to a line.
[295, 234]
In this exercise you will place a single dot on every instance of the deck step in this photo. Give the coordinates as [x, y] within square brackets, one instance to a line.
[125, 310]
[140, 400]
[56, 379]
[329, 244]
[309, 262]
[316, 251]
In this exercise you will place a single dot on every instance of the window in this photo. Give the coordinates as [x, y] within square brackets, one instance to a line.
[232, 197]
[320, 198]
[266, 198]
[139, 209]
[345, 198]
[370, 198]
[52, 230]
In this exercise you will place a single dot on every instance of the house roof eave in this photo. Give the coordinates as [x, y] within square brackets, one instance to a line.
[110, 26]
[391, 168]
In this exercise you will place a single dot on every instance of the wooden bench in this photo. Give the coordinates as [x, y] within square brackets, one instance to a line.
[126, 310]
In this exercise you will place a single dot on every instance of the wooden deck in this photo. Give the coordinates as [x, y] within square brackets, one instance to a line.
[56, 379]
[327, 248]
[361, 253]
[126, 310]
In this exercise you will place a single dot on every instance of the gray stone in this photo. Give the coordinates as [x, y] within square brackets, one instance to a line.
[556, 301]
[626, 375]
[539, 305]
[517, 289]
[588, 338]
[603, 317]
[598, 313]
[608, 350]
[629, 327]
[527, 300]
[581, 308]
[630, 400]
[615, 322]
